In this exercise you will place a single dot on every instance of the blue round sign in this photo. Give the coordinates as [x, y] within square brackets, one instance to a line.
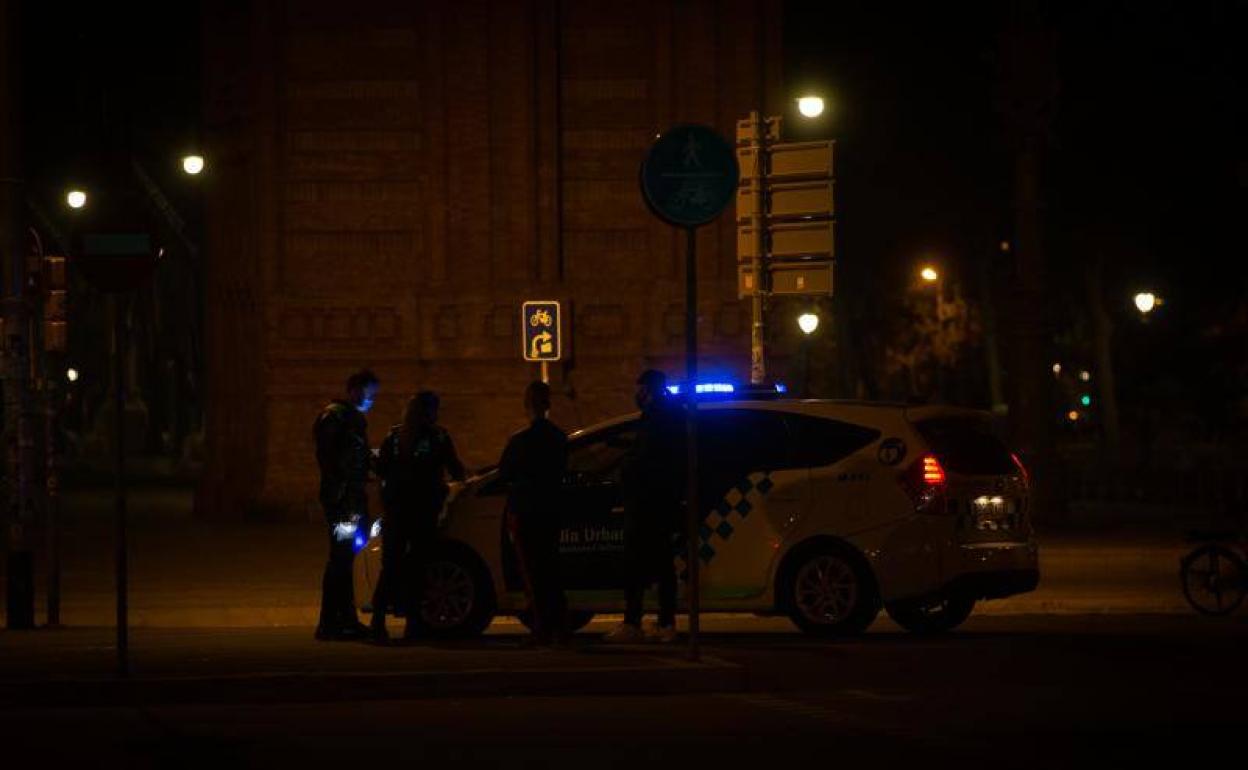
[689, 175]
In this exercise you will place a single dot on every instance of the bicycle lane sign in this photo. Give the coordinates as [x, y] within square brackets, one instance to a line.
[539, 332]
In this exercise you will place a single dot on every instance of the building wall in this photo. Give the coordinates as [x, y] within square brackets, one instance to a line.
[393, 184]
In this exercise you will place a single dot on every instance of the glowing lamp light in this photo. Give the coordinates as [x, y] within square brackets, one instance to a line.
[76, 199]
[193, 164]
[1145, 301]
[1072, 415]
[71, 375]
[810, 106]
[1085, 375]
[808, 322]
[929, 274]
[1057, 369]
[781, 387]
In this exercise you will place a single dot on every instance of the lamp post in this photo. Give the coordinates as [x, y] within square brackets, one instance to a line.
[808, 323]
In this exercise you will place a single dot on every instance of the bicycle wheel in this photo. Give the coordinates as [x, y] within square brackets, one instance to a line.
[1214, 579]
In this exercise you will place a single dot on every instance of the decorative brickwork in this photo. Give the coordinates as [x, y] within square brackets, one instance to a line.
[392, 179]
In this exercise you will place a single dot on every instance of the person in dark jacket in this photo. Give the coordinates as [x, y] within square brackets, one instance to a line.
[413, 463]
[653, 481]
[342, 454]
[532, 468]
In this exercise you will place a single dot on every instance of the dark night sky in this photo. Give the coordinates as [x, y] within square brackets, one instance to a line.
[1147, 150]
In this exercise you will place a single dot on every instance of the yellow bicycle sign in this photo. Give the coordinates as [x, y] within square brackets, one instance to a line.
[540, 334]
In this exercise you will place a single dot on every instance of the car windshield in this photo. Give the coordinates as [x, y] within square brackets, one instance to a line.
[967, 445]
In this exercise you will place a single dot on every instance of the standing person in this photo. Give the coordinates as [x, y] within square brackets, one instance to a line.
[532, 467]
[653, 485]
[413, 463]
[342, 453]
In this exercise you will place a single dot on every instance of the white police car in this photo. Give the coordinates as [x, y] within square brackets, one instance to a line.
[825, 511]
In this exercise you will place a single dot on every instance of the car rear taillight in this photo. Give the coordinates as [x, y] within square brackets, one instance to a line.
[1022, 469]
[925, 484]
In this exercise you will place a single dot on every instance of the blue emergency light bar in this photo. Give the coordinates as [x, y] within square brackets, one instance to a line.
[705, 387]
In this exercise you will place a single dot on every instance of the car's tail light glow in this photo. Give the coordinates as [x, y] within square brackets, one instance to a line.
[924, 482]
[1022, 469]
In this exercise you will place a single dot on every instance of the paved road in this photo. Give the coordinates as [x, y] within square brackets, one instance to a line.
[1010, 691]
[187, 572]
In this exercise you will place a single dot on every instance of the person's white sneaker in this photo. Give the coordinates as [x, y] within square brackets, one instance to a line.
[665, 634]
[624, 633]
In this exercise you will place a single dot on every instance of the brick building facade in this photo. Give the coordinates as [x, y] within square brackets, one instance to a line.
[391, 180]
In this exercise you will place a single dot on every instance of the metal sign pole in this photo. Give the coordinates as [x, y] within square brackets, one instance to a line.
[692, 507]
[119, 362]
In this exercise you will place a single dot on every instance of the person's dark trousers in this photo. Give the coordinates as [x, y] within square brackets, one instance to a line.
[648, 554]
[393, 583]
[537, 546]
[421, 539]
[337, 592]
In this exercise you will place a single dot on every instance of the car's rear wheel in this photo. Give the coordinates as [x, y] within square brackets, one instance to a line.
[456, 596]
[576, 619]
[828, 590]
[933, 616]
[1214, 579]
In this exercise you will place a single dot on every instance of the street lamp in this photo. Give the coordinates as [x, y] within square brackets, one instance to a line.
[71, 375]
[193, 164]
[810, 106]
[76, 199]
[929, 274]
[1145, 301]
[807, 322]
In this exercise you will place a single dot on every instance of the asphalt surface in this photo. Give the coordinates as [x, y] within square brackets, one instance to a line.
[1103, 665]
[1013, 691]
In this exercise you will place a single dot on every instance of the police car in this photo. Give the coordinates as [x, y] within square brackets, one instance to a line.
[824, 511]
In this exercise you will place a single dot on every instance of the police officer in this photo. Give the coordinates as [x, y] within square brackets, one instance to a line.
[342, 452]
[532, 468]
[653, 484]
[413, 462]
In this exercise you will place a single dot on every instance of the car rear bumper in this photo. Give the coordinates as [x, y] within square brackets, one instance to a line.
[993, 570]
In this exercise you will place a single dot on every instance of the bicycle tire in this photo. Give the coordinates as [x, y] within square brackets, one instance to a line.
[1216, 571]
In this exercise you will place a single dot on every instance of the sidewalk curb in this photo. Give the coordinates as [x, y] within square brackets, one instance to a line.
[712, 675]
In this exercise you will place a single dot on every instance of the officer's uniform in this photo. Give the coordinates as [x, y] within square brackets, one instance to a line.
[532, 467]
[413, 490]
[653, 485]
[341, 434]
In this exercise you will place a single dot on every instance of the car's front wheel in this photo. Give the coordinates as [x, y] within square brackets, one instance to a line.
[456, 595]
[933, 616]
[828, 590]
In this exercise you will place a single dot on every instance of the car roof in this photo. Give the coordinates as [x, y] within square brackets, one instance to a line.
[844, 409]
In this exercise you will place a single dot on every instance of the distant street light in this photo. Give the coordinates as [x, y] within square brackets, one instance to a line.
[1085, 375]
[193, 164]
[807, 322]
[929, 274]
[76, 199]
[71, 375]
[1145, 301]
[1057, 370]
[810, 106]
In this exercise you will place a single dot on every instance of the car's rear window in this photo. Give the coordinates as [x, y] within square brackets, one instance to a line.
[966, 445]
